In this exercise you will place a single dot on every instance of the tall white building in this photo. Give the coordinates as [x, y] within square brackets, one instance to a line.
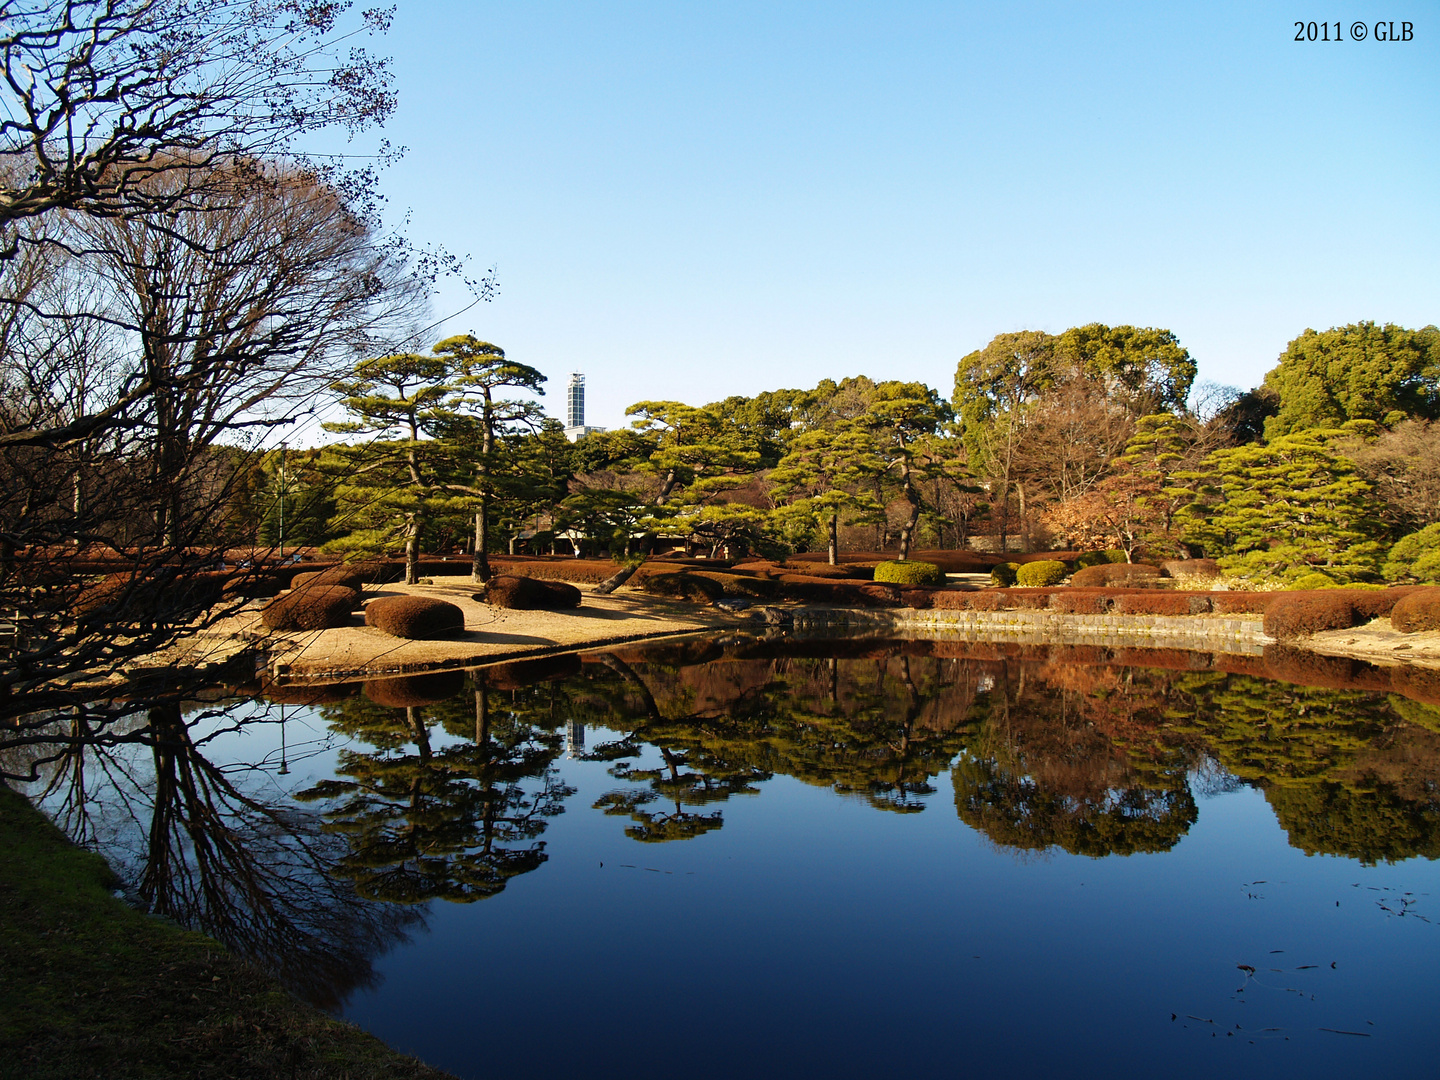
[575, 425]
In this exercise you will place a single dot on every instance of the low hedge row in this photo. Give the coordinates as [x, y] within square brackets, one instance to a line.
[1417, 611]
[1298, 614]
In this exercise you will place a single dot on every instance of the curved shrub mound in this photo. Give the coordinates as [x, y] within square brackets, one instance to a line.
[909, 572]
[417, 617]
[344, 576]
[738, 584]
[825, 570]
[1003, 574]
[529, 594]
[1378, 603]
[813, 590]
[521, 673]
[413, 691]
[1040, 574]
[1420, 610]
[1299, 614]
[1240, 603]
[1133, 575]
[1099, 558]
[693, 587]
[1307, 668]
[320, 607]
[1191, 568]
[252, 586]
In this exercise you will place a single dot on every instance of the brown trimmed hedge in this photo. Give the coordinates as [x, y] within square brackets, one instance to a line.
[693, 587]
[415, 691]
[1082, 603]
[1240, 603]
[1303, 613]
[1131, 575]
[1417, 611]
[416, 617]
[1162, 603]
[347, 577]
[738, 584]
[529, 594]
[813, 590]
[319, 607]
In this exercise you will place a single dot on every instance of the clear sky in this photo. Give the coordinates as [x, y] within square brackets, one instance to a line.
[688, 200]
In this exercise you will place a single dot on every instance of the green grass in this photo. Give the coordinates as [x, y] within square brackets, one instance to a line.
[93, 988]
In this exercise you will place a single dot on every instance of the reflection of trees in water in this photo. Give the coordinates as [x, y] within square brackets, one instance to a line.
[456, 822]
[1076, 758]
[1347, 772]
[250, 872]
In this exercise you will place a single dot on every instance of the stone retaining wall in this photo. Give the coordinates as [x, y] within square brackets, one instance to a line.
[1226, 634]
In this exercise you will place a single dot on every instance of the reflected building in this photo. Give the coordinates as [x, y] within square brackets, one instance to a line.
[574, 738]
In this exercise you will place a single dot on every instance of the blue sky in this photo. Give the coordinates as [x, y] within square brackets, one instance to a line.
[688, 201]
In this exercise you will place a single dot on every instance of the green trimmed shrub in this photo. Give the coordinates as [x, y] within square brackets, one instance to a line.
[1003, 574]
[909, 572]
[1314, 580]
[1040, 575]
[1100, 558]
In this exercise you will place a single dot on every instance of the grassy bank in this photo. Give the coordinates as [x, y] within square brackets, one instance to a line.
[92, 988]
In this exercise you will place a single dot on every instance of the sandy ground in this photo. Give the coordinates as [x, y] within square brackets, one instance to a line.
[1379, 643]
[491, 634]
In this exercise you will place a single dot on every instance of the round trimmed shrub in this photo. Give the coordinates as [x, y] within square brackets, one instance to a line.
[1100, 558]
[1040, 574]
[1313, 580]
[415, 691]
[529, 594]
[320, 607]
[693, 587]
[343, 576]
[417, 617]
[1418, 611]
[1299, 615]
[909, 572]
[1003, 574]
[1134, 575]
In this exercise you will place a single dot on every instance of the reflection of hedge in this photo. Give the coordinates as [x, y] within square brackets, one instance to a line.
[1041, 574]
[520, 673]
[909, 572]
[320, 607]
[415, 617]
[530, 594]
[308, 693]
[415, 691]
[1418, 611]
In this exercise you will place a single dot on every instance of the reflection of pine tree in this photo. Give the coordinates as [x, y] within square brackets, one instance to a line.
[1347, 772]
[456, 823]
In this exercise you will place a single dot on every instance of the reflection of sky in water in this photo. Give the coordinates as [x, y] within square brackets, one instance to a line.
[816, 934]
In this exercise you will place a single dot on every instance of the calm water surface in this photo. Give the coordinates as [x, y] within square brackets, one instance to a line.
[814, 858]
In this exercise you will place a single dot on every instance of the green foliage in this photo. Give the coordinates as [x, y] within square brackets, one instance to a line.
[909, 572]
[1004, 574]
[1415, 557]
[1287, 508]
[1314, 580]
[1040, 574]
[1356, 372]
[1099, 558]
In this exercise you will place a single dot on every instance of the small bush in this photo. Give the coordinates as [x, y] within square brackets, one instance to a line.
[319, 607]
[1299, 614]
[1178, 568]
[1039, 575]
[1003, 574]
[1418, 611]
[1100, 558]
[693, 587]
[909, 572]
[529, 594]
[417, 617]
[415, 691]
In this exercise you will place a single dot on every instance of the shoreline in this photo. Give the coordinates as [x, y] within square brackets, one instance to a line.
[496, 635]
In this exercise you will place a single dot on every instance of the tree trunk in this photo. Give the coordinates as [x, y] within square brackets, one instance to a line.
[834, 539]
[480, 559]
[482, 713]
[1024, 521]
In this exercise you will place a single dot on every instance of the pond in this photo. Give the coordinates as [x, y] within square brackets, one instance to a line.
[811, 857]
